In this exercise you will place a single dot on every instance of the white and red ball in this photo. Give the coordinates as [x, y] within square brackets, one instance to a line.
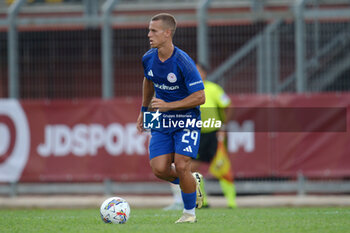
[115, 210]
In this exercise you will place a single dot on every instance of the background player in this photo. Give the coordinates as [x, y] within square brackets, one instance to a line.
[218, 106]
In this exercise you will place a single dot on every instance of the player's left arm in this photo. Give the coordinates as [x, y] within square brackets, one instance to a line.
[195, 99]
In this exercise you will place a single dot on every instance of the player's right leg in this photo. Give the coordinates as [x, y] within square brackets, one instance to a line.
[161, 167]
[177, 199]
[161, 153]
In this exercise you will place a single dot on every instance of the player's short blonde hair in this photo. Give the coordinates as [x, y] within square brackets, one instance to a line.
[168, 20]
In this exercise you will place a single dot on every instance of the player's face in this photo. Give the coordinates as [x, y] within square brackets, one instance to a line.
[157, 34]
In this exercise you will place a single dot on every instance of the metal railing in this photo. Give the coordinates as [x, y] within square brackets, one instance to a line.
[265, 48]
[300, 186]
[277, 55]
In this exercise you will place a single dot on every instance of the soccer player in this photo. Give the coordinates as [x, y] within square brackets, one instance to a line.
[172, 75]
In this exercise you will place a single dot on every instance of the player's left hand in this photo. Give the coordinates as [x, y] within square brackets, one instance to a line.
[159, 104]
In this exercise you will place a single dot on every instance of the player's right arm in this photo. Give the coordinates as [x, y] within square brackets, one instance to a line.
[147, 95]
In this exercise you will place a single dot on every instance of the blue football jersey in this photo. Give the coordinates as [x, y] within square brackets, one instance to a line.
[174, 79]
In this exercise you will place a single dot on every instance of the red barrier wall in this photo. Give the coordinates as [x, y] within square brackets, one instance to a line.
[285, 153]
[90, 140]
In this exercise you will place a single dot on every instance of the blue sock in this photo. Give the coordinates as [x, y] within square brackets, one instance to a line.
[189, 200]
[176, 181]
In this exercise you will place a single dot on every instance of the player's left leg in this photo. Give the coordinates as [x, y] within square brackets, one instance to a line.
[188, 187]
[186, 148]
[207, 149]
[195, 168]
[183, 170]
[177, 197]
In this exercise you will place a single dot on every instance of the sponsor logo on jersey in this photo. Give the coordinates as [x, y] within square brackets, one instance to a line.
[171, 77]
[165, 87]
[150, 73]
[195, 83]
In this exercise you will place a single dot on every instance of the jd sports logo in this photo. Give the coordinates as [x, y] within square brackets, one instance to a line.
[14, 140]
[188, 149]
[150, 73]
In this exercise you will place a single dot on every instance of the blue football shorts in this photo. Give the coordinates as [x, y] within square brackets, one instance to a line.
[182, 141]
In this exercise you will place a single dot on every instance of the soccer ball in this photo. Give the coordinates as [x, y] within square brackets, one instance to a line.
[115, 210]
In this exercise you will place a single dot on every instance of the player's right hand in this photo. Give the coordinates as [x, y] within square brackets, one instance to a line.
[139, 123]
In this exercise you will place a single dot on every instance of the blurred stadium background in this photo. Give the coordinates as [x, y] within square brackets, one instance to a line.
[58, 54]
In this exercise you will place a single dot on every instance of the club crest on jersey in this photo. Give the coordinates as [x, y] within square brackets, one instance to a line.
[171, 77]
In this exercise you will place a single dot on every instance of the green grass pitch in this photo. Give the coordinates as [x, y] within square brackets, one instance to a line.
[257, 220]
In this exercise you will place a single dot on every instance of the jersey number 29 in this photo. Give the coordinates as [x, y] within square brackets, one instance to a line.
[193, 134]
